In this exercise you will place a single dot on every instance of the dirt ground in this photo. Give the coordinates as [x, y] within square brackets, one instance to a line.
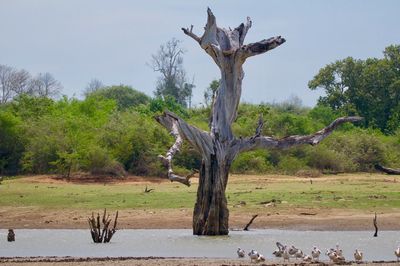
[294, 218]
[299, 219]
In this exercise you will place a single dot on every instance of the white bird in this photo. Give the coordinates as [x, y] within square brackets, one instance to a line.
[307, 258]
[277, 253]
[331, 254]
[315, 253]
[397, 253]
[338, 259]
[253, 255]
[241, 253]
[338, 251]
[358, 256]
[285, 254]
[299, 254]
[292, 250]
[260, 257]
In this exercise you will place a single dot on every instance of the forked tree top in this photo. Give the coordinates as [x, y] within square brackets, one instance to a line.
[219, 42]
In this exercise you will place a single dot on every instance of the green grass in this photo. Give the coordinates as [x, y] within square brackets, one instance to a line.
[361, 191]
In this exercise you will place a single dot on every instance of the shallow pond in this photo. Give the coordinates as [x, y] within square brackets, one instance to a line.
[181, 243]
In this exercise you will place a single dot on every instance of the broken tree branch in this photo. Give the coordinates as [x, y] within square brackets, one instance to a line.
[376, 226]
[290, 141]
[387, 170]
[200, 140]
[242, 29]
[246, 228]
[147, 190]
[259, 127]
[262, 46]
[189, 32]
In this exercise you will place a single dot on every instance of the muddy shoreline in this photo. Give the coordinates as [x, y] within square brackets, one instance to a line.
[168, 261]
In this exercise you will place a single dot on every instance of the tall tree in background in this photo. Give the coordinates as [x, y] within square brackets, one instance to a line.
[13, 82]
[209, 93]
[45, 85]
[219, 147]
[370, 88]
[173, 82]
[93, 86]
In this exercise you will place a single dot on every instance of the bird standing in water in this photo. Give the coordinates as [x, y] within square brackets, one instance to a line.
[241, 253]
[358, 255]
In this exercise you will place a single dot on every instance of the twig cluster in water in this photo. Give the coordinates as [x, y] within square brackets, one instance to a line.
[102, 235]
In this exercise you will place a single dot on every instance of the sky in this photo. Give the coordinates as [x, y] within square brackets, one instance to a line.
[113, 41]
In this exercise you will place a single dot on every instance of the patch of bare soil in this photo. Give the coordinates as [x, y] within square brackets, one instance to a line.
[28, 217]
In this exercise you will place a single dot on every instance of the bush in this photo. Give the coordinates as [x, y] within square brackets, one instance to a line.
[327, 160]
[251, 162]
[98, 161]
[290, 165]
[360, 147]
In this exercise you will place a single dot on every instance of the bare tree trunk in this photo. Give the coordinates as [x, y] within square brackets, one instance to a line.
[211, 214]
[219, 147]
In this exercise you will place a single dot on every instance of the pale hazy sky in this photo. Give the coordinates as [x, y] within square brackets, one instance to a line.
[77, 40]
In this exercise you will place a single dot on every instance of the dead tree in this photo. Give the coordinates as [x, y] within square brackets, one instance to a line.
[102, 235]
[387, 170]
[219, 147]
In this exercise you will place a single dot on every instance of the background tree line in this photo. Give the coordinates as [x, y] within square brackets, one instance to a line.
[112, 130]
[14, 82]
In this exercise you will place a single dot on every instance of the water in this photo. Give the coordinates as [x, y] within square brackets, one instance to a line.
[181, 243]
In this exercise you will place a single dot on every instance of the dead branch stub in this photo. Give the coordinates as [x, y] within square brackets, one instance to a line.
[102, 235]
[147, 190]
[246, 228]
[376, 226]
[10, 235]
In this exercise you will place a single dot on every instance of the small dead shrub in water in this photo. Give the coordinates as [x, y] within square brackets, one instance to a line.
[102, 235]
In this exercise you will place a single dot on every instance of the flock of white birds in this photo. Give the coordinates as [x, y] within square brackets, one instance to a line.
[335, 255]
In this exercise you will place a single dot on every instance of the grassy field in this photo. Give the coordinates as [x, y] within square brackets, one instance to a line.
[373, 192]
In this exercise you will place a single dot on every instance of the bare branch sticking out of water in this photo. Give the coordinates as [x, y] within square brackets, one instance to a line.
[105, 235]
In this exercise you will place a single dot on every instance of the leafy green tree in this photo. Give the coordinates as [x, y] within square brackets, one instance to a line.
[11, 142]
[125, 96]
[209, 93]
[369, 88]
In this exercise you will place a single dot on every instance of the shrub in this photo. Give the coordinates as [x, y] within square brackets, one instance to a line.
[251, 162]
[291, 165]
[362, 149]
[327, 160]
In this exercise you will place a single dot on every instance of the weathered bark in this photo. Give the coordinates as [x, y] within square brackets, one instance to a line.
[211, 214]
[219, 147]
